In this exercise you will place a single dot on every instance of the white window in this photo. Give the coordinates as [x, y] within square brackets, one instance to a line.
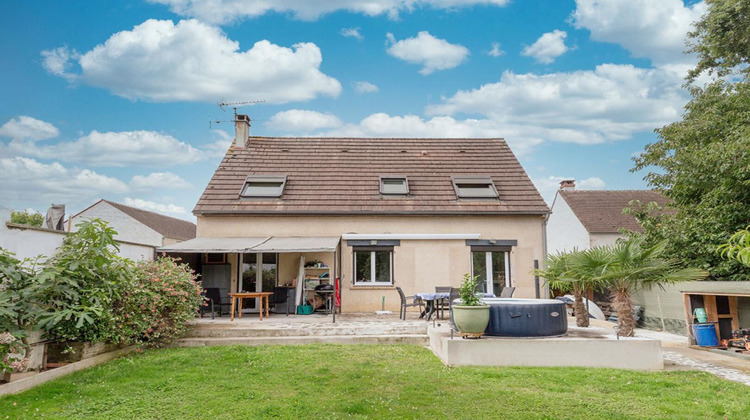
[492, 269]
[394, 185]
[474, 187]
[263, 186]
[373, 267]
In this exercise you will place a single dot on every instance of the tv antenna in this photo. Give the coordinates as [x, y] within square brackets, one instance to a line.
[222, 104]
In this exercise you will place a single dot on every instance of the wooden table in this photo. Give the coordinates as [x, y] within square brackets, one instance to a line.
[249, 295]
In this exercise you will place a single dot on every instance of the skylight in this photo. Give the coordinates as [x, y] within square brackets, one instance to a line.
[263, 186]
[474, 187]
[394, 185]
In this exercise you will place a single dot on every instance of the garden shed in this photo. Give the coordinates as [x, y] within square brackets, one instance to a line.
[727, 303]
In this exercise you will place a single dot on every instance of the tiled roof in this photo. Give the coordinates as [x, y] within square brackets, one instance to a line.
[169, 227]
[341, 176]
[601, 211]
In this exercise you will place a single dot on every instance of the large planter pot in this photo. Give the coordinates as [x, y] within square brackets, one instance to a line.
[471, 321]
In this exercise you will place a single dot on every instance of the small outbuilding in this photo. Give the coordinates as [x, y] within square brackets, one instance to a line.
[727, 303]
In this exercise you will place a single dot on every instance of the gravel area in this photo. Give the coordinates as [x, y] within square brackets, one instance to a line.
[720, 371]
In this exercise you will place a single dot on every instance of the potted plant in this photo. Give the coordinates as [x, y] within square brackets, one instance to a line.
[471, 316]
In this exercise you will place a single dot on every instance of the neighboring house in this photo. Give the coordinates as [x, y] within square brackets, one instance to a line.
[31, 242]
[583, 219]
[376, 212]
[136, 225]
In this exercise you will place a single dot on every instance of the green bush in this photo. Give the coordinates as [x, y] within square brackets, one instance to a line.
[160, 300]
[27, 218]
[79, 286]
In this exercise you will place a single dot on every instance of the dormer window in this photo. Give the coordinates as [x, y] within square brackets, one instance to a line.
[474, 187]
[394, 185]
[260, 186]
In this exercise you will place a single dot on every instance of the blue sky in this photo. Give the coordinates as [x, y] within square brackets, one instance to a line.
[113, 99]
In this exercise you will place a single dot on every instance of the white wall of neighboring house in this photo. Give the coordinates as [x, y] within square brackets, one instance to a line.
[602, 239]
[128, 229]
[564, 230]
[32, 242]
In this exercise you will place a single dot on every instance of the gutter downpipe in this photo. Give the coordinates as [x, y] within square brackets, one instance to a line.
[545, 218]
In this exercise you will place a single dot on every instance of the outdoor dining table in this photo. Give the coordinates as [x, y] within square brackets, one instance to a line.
[431, 301]
[263, 296]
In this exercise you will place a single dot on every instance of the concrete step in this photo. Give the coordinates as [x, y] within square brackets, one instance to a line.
[418, 339]
[314, 330]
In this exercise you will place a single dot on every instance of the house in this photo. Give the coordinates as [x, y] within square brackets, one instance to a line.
[137, 225]
[374, 213]
[583, 219]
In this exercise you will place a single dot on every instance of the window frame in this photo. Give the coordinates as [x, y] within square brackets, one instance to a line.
[373, 274]
[264, 179]
[390, 177]
[485, 180]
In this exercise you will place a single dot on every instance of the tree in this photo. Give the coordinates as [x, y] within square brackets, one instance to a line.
[722, 39]
[27, 218]
[560, 274]
[628, 266]
[738, 247]
[702, 162]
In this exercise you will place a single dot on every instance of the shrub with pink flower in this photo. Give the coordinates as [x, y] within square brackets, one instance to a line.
[162, 298]
[11, 354]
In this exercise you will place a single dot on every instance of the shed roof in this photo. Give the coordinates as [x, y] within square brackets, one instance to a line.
[735, 288]
[342, 176]
[600, 211]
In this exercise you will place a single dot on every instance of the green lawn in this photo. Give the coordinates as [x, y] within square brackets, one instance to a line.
[365, 381]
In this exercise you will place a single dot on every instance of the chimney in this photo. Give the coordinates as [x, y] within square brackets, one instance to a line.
[568, 184]
[241, 130]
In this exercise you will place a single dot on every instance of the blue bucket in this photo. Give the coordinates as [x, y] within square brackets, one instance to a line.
[705, 334]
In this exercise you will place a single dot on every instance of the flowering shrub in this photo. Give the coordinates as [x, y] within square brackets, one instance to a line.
[11, 350]
[156, 307]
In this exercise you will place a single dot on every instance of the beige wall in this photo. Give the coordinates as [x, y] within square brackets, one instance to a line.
[419, 265]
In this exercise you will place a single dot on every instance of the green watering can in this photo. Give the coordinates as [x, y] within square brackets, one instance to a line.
[700, 313]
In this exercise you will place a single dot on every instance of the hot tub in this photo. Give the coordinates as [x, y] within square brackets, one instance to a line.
[526, 317]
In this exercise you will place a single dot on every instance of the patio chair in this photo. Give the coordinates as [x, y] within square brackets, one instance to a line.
[280, 296]
[213, 296]
[415, 301]
[442, 304]
[507, 292]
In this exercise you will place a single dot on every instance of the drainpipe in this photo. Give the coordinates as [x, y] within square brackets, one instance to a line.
[545, 218]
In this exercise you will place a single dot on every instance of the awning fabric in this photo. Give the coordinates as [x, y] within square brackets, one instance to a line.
[267, 244]
[298, 244]
[213, 245]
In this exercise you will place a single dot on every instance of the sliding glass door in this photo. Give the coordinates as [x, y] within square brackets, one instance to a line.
[255, 280]
[492, 270]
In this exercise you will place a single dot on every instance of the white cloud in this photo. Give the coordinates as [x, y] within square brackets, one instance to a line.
[154, 206]
[124, 148]
[609, 103]
[30, 182]
[352, 33]
[365, 87]
[647, 28]
[160, 180]
[496, 51]
[548, 186]
[191, 61]
[426, 50]
[302, 121]
[384, 125]
[548, 47]
[27, 128]
[224, 11]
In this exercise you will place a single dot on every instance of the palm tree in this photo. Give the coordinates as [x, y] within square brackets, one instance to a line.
[559, 274]
[628, 266]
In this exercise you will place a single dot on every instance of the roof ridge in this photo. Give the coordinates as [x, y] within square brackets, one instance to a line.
[146, 211]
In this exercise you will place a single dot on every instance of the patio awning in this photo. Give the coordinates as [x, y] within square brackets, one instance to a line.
[288, 244]
[276, 244]
[214, 245]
